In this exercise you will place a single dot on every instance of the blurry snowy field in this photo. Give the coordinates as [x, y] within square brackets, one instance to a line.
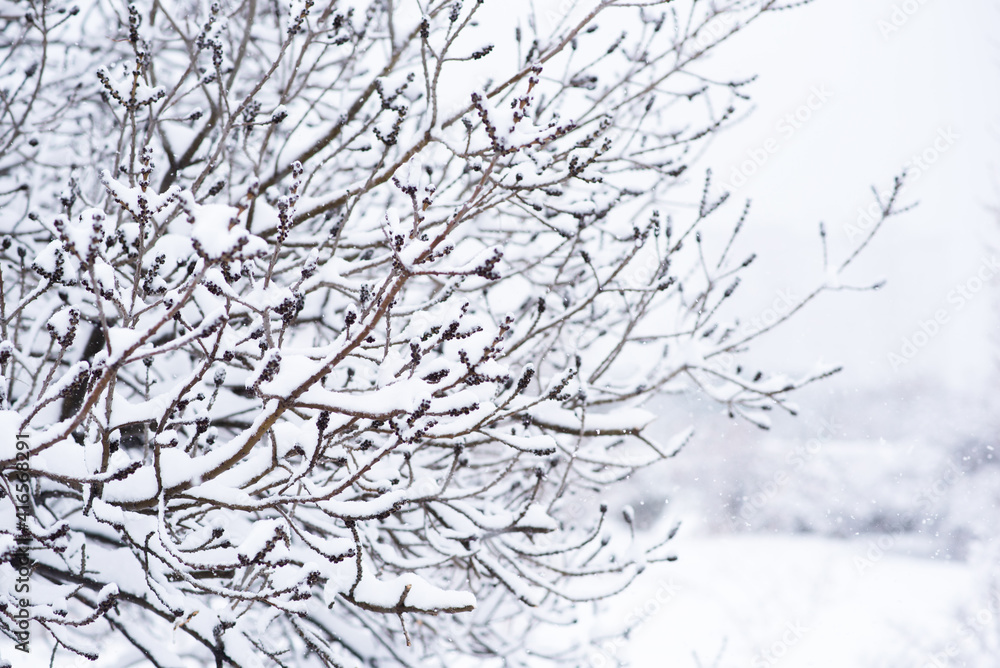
[864, 532]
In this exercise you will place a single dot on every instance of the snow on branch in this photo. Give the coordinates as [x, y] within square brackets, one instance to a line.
[320, 322]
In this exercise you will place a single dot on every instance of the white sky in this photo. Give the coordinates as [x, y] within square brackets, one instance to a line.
[891, 95]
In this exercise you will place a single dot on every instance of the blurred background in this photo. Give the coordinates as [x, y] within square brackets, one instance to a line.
[865, 531]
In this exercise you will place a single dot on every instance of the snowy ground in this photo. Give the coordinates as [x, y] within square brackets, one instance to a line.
[844, 537]
[757, 601]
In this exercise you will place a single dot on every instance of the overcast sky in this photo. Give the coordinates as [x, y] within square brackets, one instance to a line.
[875, 82]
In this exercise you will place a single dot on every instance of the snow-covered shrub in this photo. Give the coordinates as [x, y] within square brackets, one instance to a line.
[321, 324]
